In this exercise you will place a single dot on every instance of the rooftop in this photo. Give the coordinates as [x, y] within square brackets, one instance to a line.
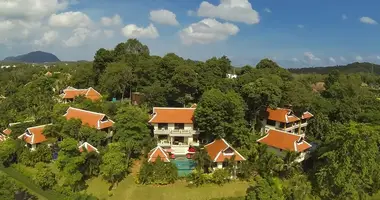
[282, 115]
[172, 115]
[285, 141]
[91, 119]
[158, 152]
[219, 150]
[90, 93]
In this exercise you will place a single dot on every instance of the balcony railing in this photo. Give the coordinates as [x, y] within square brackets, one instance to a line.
[164, 143]
[176, 132]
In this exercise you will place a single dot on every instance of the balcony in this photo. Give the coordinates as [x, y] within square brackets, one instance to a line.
[176, 133]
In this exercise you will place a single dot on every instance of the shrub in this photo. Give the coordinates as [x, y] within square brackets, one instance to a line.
[199, 178]
[41, 154]
[220, 176]
[157, 173]
[44, 176]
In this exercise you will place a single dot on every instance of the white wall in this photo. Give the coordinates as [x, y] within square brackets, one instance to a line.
[171, 126]
[189, 126]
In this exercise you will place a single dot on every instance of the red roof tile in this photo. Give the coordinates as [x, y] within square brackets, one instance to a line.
[282, 115]
[158, 152]
[91, 119]
[90, 93]
[307, 115]
[172, 115]
[34, 135]
[217, 151]
[88, 147]
[284, 140]
[7, 131]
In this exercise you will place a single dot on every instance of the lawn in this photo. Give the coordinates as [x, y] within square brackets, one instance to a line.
[128, 189]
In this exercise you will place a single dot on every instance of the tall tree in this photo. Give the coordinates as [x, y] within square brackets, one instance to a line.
[114, 166]
[118, 77]
[101, 60]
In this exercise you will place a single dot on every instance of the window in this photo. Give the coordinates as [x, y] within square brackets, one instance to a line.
[163, 126]
[282, 125]
[229, 151]
[179, 126]
[271, 122]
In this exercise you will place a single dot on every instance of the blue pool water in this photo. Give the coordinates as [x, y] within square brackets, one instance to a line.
[184, 165]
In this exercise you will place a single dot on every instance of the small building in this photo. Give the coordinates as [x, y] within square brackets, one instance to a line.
[70, 93]
[34, 136]
[5, 134]
[158, 152]
[280, 142]
[87, 147]
[231, 76]
[137, 98]
[219, 150]
[92, 119]
[174, 129]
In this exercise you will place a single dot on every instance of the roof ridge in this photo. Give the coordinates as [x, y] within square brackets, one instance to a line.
[86, 111]
[39, 126]
[284, 132]
[174, 108]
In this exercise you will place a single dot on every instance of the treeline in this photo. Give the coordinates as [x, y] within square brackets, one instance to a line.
[349, 68]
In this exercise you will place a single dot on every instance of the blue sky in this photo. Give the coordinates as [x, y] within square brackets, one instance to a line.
[295, 33]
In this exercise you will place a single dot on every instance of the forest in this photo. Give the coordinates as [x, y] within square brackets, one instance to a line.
[345, 129]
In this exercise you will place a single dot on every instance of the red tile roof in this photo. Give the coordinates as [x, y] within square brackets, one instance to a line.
[90, 93]
[172, 115]
[158, 152]
[88, 147]
[34, 135]
[307, 115]
[282, 115]
[285, 141]
[7, 131]
[91, 119]
[216, 151]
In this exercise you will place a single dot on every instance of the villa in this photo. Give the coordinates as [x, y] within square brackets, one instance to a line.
[284, 131]
[33, 136]
[174, 129]
[70, 93]
[92, 119]
[5, 134]
[87, 147]
[219, 150]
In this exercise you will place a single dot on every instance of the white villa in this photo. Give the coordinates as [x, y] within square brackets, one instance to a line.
[283, 131]
[174, 129]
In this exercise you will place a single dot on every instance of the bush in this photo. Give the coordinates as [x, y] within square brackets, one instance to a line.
[221, 176]
[44, 177]
[199, 178]
[43, 153]
[157, 173]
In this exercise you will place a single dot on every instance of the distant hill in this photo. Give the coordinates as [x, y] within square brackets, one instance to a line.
[33, 57]
[350, 68]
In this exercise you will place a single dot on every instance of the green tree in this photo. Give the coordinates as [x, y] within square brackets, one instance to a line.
[8, 152]
[267, 64]
[117, 78]
[202, 159]
[114, 166]
[44, 177]
[264, 189]
[101, 60]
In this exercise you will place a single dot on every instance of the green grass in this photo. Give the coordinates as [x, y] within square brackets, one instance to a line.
[128, 189]
[27, 183]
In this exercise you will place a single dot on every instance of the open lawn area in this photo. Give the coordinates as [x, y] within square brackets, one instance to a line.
[128, 189]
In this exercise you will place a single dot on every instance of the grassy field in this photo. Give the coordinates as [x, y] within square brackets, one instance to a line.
[128, 189]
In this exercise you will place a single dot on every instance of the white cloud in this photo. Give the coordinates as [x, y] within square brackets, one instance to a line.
[190, 13]
[111, 21]
[378, 57]
[6, 25]
[207, 31]
[109, 33]
[31, 9]
[310, 57]
[133, 31]
[230, 10]
[358, 58]
[344, 17]
[268, 10]
[69, 19]
[342, 58]
[300, 26]
[79, 36]
[295, 59]
[368, 20]
[163, 17]
[48, 38]
[332, 60]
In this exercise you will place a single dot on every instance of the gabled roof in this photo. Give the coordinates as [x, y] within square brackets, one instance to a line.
[282, 115]
[7, 131]
[34, 135]
[216, 151]
[172, 115]
[158, 152]
[88, 147]
[285, 141]
[90, 93]
[91, 119]
[307, 115]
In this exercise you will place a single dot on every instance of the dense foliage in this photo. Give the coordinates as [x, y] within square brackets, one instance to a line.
[158, 172]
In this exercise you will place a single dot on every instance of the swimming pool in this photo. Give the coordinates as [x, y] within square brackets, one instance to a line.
[184, 165]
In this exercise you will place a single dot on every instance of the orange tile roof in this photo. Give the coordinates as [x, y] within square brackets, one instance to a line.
[172, 115]
[307, 115]
[158, 152]
[284, 140]
[91, 119]
[88, 147]
[216, 151]
[90, 93]
[282, 115]
[7, 131]
[35, 135]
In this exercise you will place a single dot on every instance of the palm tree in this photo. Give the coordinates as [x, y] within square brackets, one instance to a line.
[290, 167]
[202, 159]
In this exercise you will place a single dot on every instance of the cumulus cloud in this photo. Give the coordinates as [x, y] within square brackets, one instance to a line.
[358, 58]
[48, 38]
[311, 57]
[190, 13]
[79, 36]
[368, 20]
[268, 10]
[332, 60]
[163, 17]
[344, 17]
[69, 20]
[109, 33]
[207, 31]
[111, 21]
[133, 31]
[230, 10]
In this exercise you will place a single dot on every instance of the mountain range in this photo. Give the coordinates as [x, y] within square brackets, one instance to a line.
[33, 57]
